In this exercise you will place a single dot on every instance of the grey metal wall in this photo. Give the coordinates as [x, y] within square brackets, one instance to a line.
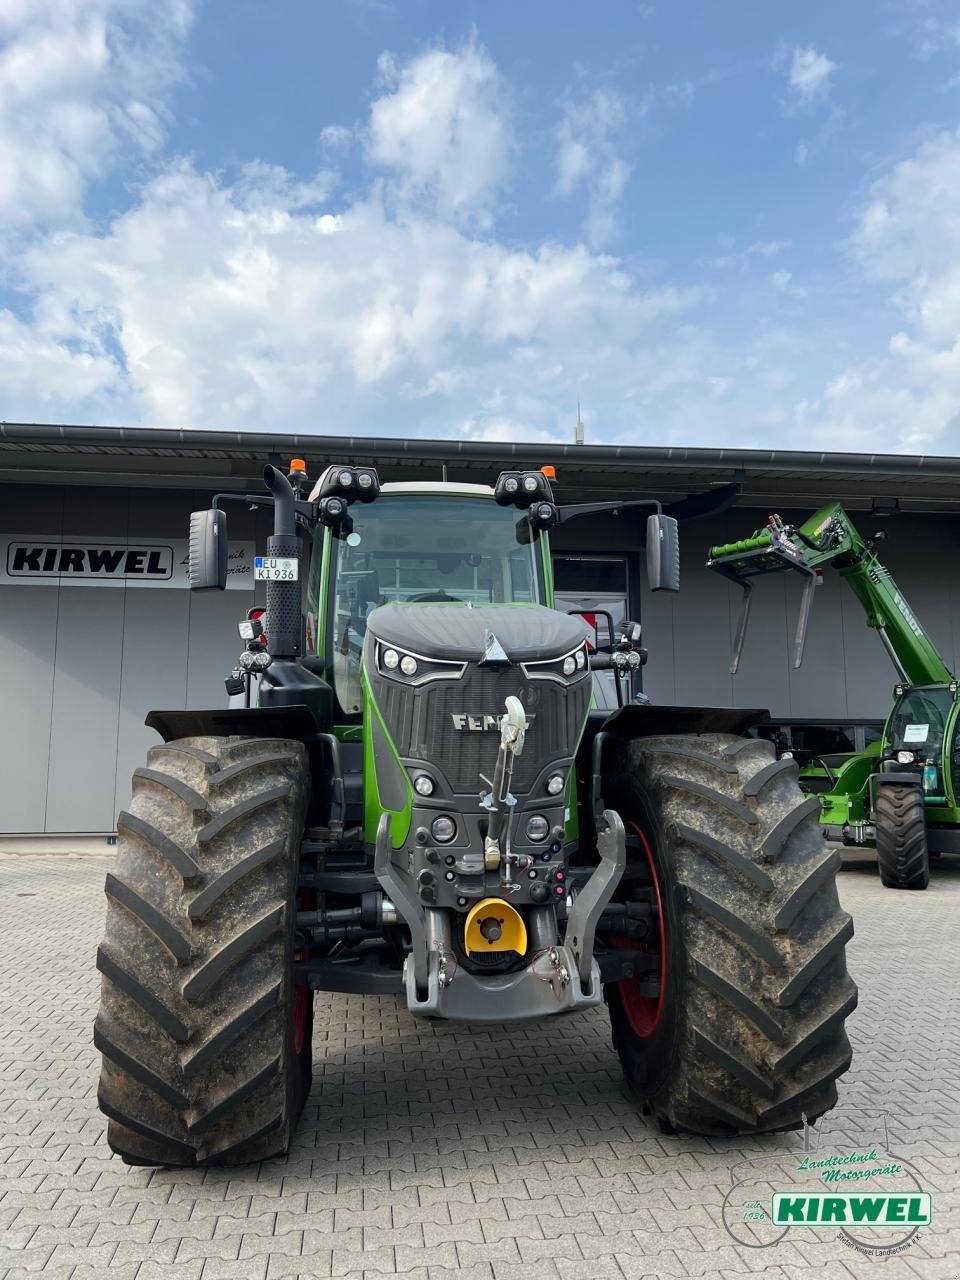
[83, 665]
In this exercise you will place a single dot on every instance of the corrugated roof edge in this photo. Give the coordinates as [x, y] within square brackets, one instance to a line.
[12, 433]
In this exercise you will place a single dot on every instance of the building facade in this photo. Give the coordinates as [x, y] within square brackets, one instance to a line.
[99, 626]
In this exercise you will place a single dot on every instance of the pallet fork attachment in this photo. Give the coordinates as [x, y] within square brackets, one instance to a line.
[764, 553]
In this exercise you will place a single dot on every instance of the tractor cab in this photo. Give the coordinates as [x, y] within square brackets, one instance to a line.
[921, 737]
[430, 543]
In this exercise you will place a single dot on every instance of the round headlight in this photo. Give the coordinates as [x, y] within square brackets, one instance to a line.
[906, 757]
[510, 485]
[581, 658]
[345, 478]
[569, 665]
[391, 659]
[423, 785]
[334, 506]
[408, 665]
[364, 479]
[538, 828]
[530, 484]
[555, 784]
[443, 829]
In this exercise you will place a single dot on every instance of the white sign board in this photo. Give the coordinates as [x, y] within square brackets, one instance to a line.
[101, 562]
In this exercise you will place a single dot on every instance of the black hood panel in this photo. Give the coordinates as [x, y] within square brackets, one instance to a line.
[457, 632]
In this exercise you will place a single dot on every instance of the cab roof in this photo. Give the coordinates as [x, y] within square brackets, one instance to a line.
[453, 488]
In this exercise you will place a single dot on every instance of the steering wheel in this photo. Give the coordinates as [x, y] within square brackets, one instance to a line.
[434, 597]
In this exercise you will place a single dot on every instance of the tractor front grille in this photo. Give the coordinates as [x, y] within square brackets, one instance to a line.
[420, 720]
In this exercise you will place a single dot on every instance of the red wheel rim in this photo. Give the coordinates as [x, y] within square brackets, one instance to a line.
[644, 1012]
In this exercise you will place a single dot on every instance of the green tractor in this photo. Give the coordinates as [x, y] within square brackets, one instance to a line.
[901, 794]
[423, 803]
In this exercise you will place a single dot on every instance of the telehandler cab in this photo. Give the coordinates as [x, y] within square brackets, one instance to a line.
[903, 796]
[425, 805]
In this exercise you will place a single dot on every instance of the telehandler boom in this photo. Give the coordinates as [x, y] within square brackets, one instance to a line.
[906, 799]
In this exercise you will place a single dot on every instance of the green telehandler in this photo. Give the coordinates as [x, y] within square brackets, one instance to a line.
[423, 803]
[902, 794]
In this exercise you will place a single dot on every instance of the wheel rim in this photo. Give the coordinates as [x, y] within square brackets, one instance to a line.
[644, 1012]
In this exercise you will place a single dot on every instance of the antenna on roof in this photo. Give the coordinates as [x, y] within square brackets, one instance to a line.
[578, 429]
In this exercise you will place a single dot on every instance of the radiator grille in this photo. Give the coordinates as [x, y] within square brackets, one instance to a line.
[420, 722]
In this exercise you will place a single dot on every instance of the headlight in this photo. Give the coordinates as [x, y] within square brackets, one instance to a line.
[408, 665]
[365, 480]
[530, 484]
[423, 785]
[906, 757]
[538, 828]
[391, 659]
[555, 784]
[346, 479]
[569, 665]
[443, 829]
[511, 485]
[581, 658]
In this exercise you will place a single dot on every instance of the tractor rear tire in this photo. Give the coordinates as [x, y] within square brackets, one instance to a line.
[902, 837]
[205, 1040]
[747, 1034]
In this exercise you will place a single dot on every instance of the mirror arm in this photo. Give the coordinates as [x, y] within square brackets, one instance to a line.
[576, 509]
[306, 511]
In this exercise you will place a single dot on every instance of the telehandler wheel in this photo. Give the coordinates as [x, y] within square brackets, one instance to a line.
[206, 1042]
[745, 1031]
[902, 837]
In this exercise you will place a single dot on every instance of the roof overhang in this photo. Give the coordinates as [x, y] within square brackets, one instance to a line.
[146, 457]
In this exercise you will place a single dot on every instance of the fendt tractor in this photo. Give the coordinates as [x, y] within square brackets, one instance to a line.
[426, 805]
[902, 794]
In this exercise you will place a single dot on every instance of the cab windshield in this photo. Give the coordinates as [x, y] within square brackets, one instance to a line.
[421, 548]
[918, 721]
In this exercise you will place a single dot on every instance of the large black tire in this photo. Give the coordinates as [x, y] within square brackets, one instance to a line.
[902, 837]
[204, 1060]
[750, 1034]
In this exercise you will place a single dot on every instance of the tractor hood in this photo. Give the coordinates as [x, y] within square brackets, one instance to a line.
[460, 632]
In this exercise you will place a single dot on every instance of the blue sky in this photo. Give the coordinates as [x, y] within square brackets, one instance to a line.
[711, 224]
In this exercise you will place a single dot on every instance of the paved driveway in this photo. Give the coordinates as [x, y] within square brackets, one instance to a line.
[430, 1151]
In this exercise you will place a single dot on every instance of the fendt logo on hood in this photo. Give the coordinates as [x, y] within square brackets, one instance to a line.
[466, 722]
[83, 560]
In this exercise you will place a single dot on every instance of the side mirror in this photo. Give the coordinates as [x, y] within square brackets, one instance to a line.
[207, 567]
[663, 553]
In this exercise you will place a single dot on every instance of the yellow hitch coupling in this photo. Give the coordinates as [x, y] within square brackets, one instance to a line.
[493, 925]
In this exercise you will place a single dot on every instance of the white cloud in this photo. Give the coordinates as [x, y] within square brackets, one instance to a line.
[588, 156]
[809, 75]
[81, 81]
[244, 303]
[441, 130]
[907, 240]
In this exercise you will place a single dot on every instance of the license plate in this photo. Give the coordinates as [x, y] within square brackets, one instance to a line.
[276, 568]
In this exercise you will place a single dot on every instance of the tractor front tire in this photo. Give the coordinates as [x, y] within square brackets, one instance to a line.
[205, 1040]
[747, 1032]
[902, 837]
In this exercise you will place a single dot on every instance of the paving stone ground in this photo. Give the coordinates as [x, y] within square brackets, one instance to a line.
[436, 1150]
